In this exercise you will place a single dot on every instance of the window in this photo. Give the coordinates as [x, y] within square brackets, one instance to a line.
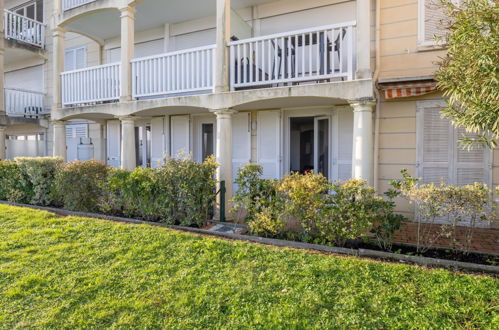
[31, 9]
[75, 58]
[439, 156]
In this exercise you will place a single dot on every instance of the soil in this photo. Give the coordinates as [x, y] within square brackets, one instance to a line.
[439, 253]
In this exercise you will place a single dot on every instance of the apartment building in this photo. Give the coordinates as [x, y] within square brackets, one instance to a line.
[341, 87]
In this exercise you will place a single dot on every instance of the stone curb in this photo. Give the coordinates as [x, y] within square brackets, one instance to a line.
[422, 261]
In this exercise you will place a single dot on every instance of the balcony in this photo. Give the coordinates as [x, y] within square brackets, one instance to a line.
[24, 29]
[70, 4]
[24, 103]
[322, 54]
[304, 56]
[98, 84]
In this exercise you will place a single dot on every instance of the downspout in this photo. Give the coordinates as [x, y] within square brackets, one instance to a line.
[376, 92]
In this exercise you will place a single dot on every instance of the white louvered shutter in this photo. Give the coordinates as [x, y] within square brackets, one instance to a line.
[269, 142]
[74, 133]
[345, 143]
[241, 143]
[470, 165]
[180, 135]
[157, 141]
[433, 17]
[435, 144]
[114, 143]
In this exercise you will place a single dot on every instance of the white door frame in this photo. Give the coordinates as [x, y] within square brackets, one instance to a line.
[307, 112]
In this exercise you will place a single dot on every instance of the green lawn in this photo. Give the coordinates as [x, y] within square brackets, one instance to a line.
[77, 272]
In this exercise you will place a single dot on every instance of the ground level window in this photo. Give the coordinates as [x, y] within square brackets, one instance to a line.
[207, 141]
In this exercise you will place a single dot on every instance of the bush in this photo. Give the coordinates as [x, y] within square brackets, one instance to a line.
[327, 212]
[14, 186]
[459, 205]
[39, 173]
[78, 185]
[181, 192]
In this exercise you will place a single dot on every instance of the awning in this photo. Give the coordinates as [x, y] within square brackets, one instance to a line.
[400, 90]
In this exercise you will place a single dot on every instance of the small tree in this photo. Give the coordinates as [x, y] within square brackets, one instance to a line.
[469, 73]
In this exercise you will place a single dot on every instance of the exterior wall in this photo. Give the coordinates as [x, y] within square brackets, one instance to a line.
[400, 55]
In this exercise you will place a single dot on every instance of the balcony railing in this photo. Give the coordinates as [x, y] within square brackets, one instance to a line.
[24, 29]
[92, 85]
[185, 71]
[24, 103]
[70, 4]
[312, 55]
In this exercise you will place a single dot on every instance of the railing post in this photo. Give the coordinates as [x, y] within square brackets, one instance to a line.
[58, 65]
[363, 39]
[127, 51]
[221, 52]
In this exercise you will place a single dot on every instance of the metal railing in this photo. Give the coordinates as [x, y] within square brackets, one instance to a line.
[183, 71]
[91, 85]
[24, 29]
[24, 103]
[70, 4]
[316, 54]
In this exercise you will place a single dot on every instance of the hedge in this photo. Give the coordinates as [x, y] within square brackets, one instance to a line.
[180, 192]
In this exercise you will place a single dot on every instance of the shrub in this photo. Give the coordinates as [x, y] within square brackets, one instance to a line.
[254, 193]
[187, 190]
[40, 173]
[14, 186]
[180, 192]
[78, 185]
[456, 205]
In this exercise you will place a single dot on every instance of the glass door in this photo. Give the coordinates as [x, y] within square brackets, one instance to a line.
[321, 145]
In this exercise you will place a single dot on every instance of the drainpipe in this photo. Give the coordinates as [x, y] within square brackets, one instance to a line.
[376, 92]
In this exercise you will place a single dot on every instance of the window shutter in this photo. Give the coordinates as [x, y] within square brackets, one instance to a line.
[433, 17]
[434, 144]
[157, 141]
[69, 60]
[180, 138]
[345, 143]
[114, 143]
[241, 145]
[471, 165]
[269, 143]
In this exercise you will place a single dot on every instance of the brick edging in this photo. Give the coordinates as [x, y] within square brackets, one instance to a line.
[422, 261]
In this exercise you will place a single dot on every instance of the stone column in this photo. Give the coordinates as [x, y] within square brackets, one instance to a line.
[128, 152]
[223, 35]
[3, 137]
[363, 42]
[58, 65]
[363, 141]
[60, 139]
[224, 152]
[127, 51]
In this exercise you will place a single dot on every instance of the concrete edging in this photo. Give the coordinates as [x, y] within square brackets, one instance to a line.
[422, 261]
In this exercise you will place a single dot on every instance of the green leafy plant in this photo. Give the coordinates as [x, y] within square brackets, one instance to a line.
[40, 173]
[468, 74]
[441, 208]
[14, 184]
[78, 185]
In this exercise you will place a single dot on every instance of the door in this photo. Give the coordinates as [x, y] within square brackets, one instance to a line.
[180, 135]
[321, 145]
[269, 143]
[74, 134]
[204, 137]
[158, 150]
[114, 143]
[241, 143]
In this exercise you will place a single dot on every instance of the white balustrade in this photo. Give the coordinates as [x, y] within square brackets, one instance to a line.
[319, 54]
[183, 71]
[23, 103]
[70, 4]
[91, 85]
[24, 29]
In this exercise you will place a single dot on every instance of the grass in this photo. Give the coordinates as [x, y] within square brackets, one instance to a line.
[75, 272]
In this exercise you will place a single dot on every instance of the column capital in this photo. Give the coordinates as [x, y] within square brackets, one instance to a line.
[223, 112]
[128, 11]
[58, 31]
[127, 119]
[59, 123]
[363, 104]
